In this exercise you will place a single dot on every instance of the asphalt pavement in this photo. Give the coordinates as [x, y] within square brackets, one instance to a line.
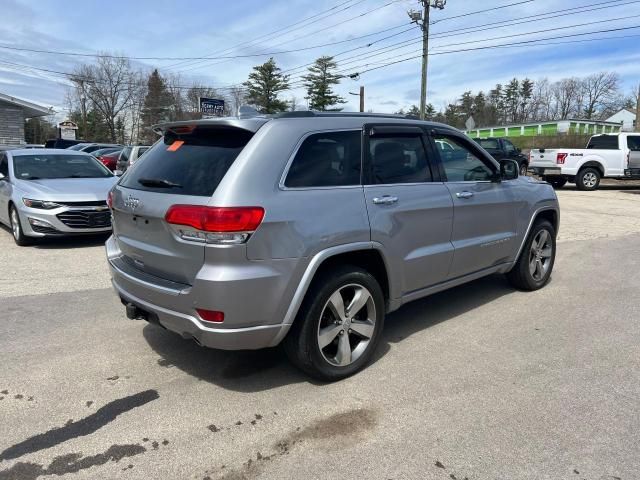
[480, 382]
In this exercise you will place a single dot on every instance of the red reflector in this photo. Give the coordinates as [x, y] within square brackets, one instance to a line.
[210, 315]
[561, 157]
[216, 219]
[110, 199]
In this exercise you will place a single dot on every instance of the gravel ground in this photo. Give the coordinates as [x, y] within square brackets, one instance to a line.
[480, 382]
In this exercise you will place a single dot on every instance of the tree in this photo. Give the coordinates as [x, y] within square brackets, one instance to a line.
[567, 95]
[110, 86]
[319, 83]
[526, 93]
[263, 86]
[597, 90]
[38, 130]
[157, 103]
[511, 101]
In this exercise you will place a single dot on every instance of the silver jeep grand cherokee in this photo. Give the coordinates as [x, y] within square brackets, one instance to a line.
[307, 228]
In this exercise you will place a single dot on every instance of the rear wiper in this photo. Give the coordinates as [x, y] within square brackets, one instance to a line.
[158, 182]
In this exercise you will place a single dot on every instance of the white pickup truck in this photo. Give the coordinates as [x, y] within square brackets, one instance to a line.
[606, 156]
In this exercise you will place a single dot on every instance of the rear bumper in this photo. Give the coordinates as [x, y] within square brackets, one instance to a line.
[189, 327]
[546, 171]
[251, 304]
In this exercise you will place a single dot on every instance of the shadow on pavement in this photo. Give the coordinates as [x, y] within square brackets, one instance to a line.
[252, 371]
[62, 242]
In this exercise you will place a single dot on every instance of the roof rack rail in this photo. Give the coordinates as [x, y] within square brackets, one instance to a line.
[311, 113]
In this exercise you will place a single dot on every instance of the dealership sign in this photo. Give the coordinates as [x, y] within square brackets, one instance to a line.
[211, 107]
[67, 130]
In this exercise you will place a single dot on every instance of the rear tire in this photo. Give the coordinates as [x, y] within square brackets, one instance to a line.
[588, 179]
[16, 228]
[329, 342]
[533, 268]
[557, 182]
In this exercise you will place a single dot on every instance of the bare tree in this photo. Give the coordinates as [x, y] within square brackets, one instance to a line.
[238, 97]
[598, 90]
[566, 94]
[110, 86]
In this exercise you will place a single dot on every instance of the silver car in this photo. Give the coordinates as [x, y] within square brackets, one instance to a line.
[308, 228]
[52, 192]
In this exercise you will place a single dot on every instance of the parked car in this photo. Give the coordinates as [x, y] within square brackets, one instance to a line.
[129, 156]
[606, 156]
[62, 143]
[53, 192]
[90, 147]
[307, 228]
[501, 148]
[110, 160]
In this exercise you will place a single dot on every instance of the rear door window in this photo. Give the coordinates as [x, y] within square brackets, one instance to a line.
[192, 162]
[398, 159]
[633, 142]
[327, 159]
[603, 142]
[4, 165]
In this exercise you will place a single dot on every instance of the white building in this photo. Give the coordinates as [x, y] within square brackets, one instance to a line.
[628, 118]
[13, 112]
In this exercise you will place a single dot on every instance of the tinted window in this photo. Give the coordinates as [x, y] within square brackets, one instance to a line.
[4, 165]
[633, 142]
[124, 155]
[190, 163]
[35, 167]
[400, 159]
[326, 160]
[603, 142]
[92, 148]
[78, 146]
[488, 143]
[508, 147]
[460, 162]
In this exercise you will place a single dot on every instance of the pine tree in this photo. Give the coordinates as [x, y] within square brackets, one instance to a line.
[512, 100]
[526, 93]
[156, 104]
[319, 84]
[263, 86]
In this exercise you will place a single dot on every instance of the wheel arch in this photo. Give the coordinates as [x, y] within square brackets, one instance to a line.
[593, 164]
[367, 255]
[550, 213]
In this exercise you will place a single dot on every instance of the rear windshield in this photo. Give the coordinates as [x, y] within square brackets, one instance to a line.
[603, 142]
[188, 163]
[488, 143]
[37, 167]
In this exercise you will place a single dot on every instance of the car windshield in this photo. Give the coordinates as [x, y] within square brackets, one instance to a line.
[490, 143]
[49, 166]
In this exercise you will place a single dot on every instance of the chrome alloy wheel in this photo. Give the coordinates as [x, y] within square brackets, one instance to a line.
[540, 255]
[15, 223]
[589, 179]
[347, 324]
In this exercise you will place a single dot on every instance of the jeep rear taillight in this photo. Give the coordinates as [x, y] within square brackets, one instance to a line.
[561, 157]
[218, 225]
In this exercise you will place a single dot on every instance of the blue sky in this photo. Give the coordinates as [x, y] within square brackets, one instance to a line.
[201, 28]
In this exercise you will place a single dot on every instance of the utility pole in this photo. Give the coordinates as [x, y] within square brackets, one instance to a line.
[638, 109]
[361, 95]
[422, 20]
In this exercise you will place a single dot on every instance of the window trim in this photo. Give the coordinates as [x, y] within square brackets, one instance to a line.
[410, 130]
[470, 145]
[296, 149]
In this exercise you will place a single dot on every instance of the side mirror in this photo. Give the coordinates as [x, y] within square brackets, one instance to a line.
[518, 149]
[509, 169]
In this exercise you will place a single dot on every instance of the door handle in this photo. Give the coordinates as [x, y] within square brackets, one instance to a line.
[464, 194]
[385, 200]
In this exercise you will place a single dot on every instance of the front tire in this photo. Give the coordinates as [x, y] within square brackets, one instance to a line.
[16, 228]
[523, 170]
[588, 179]
[533, 268]
[339, 324]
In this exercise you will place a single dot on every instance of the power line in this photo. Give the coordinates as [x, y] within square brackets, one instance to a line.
[480, 11]
[329, 13]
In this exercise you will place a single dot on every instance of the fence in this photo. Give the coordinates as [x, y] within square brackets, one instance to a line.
[551, 141]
